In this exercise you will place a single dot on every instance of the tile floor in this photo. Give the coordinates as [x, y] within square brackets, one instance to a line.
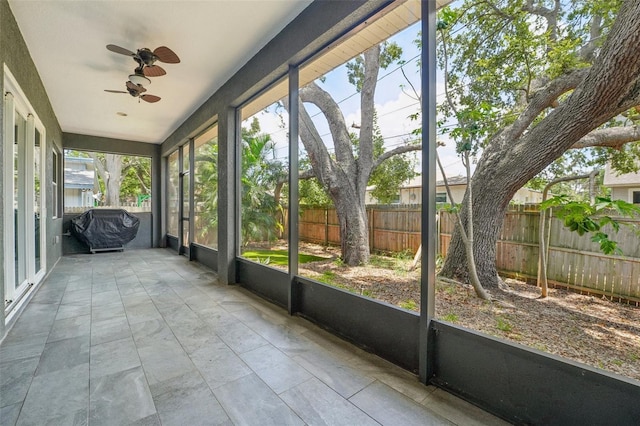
[145, 337]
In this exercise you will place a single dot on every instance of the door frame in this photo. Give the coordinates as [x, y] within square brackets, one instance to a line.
[16, 102]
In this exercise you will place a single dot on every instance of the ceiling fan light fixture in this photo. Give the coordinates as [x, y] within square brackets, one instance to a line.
[139, 79]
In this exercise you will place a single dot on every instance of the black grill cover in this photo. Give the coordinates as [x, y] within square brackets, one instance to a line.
[105, 228]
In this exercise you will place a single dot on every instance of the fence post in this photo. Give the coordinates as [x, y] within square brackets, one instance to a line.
[405, 236]
[326, 226]
[372, 236]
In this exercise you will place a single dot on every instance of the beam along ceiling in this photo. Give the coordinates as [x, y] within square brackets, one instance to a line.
[213, 38]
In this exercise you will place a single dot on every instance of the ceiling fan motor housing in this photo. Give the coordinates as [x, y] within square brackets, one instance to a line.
[146, 56]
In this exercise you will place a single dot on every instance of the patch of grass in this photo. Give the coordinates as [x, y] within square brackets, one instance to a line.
[328, 277]
[503, 325]
[409, 304]
[278, 257]
[450, 289]
[367, 293]
[339, 262]
[398, 262]
[617, 362]
[541, 347]
[633, 357]
[382, 261]
[450, 317]
[403, 256]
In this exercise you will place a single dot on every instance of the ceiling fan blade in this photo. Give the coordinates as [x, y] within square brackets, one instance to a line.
[166, 55]
[153, 71]
[150, 98]
[121, 50]
[115, 91]
[137, 88]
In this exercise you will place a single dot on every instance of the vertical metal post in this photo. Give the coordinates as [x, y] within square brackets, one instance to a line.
[236, 185]
[429, 234]
[180, 198]
[159, 178]
[192, 202]
[227, 184]
[294, 210]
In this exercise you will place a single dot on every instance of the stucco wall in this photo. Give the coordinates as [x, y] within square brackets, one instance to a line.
[14, 53]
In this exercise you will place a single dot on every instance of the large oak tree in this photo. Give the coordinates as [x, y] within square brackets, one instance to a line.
[539, 78]
[346, 173]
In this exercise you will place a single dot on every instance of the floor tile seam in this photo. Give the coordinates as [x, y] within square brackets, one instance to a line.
[48, 334]
[268, 387]
[297, 335]
[237, 353]
[97, 379]
[290, 359]
[195, 366]
[21, 405]
[41, 353]
[299, 414]
[141, 365]
[135, 344]
[373, 380]
[406, 397]
[347, 400]
[213, 394]
[90, 348]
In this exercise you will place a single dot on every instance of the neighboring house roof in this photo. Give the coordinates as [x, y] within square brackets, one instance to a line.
[78, 160]
[453, 180]
[416, 182]
[82, 179]
[611, 178]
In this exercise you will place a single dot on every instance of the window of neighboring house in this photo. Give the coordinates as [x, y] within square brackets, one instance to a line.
[441, 197]
[635, 197]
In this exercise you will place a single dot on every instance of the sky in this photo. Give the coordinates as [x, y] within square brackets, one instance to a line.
[393, 105]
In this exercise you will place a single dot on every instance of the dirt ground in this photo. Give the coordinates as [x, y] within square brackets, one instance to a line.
[588, 329]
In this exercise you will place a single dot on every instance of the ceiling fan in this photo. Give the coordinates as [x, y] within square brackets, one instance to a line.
[137, 91]
[146, 59]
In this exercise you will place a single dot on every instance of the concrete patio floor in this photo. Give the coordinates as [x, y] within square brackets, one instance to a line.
[146, 337]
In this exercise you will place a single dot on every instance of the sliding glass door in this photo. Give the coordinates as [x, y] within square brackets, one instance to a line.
[24, 248]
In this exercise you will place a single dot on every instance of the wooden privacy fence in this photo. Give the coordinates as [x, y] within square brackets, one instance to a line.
[574, 261]
[391, 228]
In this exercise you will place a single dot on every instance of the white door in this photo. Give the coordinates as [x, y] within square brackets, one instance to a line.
[24, 160]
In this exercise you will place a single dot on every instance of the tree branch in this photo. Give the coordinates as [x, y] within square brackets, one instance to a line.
[367, 112]
[395, 151]
[544, 98]
[312, 93]
[497, 10]
[551, 15]
[611, 137]
[99, 165]
[588, 50]
[445, 73]
[317, 150]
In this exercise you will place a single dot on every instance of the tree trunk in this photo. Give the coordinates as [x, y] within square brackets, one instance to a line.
[488, 216]
[354, 232]
[113, 166]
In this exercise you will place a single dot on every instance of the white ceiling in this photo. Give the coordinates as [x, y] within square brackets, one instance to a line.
[213, 39]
